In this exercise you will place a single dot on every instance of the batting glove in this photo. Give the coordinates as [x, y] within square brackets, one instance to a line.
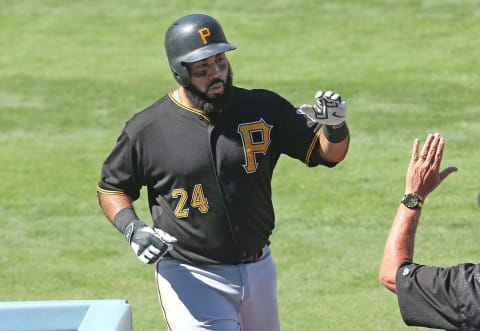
[149, 244]
[329, 108]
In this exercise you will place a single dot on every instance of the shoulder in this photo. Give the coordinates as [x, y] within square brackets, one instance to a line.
[258, 93]
[426, 274]
[162, 104]
[434, 296]
[260, 97]
[148, 115]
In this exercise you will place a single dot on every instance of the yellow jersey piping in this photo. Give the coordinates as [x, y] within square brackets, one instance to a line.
[109, 192]
[311, 147]
[191, 109]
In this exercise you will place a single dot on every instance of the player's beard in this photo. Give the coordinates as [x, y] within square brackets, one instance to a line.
[211, 105]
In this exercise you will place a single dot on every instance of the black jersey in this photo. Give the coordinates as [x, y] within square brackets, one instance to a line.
[442, 298]
[209, 181]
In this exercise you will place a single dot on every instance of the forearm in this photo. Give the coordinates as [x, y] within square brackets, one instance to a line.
[148, 244]
[399, 246]
[111, 204]
[334, 147]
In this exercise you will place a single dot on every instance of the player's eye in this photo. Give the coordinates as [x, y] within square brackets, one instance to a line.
[221, 63]
[199, 73]
[222, 66]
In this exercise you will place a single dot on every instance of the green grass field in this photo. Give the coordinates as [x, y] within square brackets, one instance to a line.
[72, 72]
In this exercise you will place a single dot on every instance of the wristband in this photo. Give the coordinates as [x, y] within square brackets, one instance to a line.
[337, 133]
[126, 221]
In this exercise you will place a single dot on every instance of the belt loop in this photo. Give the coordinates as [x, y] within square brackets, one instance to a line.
[254, 258]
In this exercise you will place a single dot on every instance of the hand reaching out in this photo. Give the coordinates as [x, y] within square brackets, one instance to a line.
[423, 175]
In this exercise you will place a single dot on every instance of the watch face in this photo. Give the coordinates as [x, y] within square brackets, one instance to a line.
[411, 200]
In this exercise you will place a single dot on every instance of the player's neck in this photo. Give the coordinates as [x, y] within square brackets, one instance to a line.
[181, 97]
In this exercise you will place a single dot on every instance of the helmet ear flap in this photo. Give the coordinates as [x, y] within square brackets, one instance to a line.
[181, 75]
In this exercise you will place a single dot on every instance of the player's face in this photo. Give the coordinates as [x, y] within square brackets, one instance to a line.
[209, 75]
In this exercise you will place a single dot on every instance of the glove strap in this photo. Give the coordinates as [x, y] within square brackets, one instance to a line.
[337, 133]
[126, 221]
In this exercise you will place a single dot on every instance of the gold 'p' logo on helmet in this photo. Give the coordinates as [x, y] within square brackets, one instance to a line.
[204, 34]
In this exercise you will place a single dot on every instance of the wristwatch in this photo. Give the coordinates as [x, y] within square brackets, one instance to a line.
[412, 201]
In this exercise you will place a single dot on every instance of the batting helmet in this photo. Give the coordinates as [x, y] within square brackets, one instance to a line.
[193, 38]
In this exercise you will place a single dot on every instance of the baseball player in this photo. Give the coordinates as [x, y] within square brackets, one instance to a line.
[206, 154]
[434, 297]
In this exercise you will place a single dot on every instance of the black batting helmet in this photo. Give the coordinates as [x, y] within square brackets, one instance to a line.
[193, 38]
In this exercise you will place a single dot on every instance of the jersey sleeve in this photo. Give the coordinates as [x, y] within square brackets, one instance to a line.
[121, 172]
[442, 298]
[299, 136]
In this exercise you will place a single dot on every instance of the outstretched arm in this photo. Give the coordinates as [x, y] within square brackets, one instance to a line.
[423, 176]
[330, 111]
[399, 245]
[334, 151]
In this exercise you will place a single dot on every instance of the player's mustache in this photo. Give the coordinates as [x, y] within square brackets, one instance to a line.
[215, 81]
